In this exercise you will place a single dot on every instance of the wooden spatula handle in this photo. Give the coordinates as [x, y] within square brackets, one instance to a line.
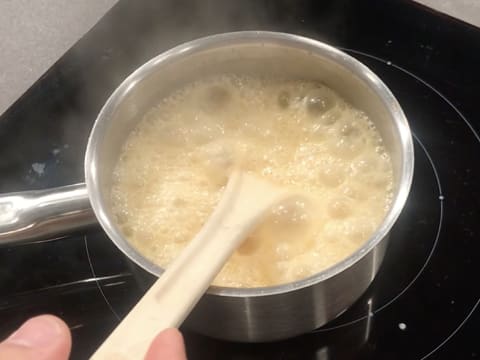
[175, 293]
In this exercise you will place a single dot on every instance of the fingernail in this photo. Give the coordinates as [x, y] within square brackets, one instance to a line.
[37, 332]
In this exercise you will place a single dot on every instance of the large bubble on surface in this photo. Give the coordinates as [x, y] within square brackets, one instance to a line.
[215, 98]
[218, 159]
[319, 100]
[285, 232]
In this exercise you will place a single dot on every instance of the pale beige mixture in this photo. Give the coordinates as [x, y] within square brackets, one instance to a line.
[297, 134]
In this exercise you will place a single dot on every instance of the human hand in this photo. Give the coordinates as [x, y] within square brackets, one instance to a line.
[47, 337]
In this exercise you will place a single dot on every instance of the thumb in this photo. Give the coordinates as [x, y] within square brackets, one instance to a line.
[168, 345]
[44, 337]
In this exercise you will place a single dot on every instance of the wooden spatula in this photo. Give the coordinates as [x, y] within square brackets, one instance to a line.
[245, 201]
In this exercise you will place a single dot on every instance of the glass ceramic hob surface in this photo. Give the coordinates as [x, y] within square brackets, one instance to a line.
[423, 303]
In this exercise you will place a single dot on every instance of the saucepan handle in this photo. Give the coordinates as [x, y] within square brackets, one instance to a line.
[32, 215]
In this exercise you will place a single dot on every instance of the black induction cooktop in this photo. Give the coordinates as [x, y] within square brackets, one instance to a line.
[423, 303]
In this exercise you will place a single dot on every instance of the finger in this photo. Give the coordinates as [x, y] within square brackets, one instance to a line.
[44, 337]
[168, 345]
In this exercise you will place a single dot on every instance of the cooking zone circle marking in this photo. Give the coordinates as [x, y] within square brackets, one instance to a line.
[440, 197]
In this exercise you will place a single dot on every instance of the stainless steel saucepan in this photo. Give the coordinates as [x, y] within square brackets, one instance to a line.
[256, 314]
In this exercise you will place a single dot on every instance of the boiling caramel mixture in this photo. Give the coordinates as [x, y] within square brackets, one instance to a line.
[296, 134]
